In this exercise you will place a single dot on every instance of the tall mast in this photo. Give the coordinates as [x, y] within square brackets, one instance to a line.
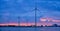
[18, 21]
[27, 22]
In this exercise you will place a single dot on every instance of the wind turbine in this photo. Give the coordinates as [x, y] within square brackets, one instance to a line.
[36, 9]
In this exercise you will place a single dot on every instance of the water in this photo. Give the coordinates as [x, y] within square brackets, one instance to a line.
[29, 29]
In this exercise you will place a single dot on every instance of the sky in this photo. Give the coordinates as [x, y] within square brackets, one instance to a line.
[10, 10]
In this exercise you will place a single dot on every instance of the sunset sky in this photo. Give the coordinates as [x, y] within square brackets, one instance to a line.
[48, 11]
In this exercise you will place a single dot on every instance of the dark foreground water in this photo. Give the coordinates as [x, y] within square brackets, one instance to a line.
[29, 29]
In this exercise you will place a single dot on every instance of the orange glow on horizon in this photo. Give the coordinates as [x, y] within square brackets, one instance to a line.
[29, 24]
[43, 21]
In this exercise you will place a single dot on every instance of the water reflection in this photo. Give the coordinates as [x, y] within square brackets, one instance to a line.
[30, 29]
[0, 29]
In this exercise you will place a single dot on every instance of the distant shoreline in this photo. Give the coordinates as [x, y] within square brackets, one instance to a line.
[54, 25]
[29, 26]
